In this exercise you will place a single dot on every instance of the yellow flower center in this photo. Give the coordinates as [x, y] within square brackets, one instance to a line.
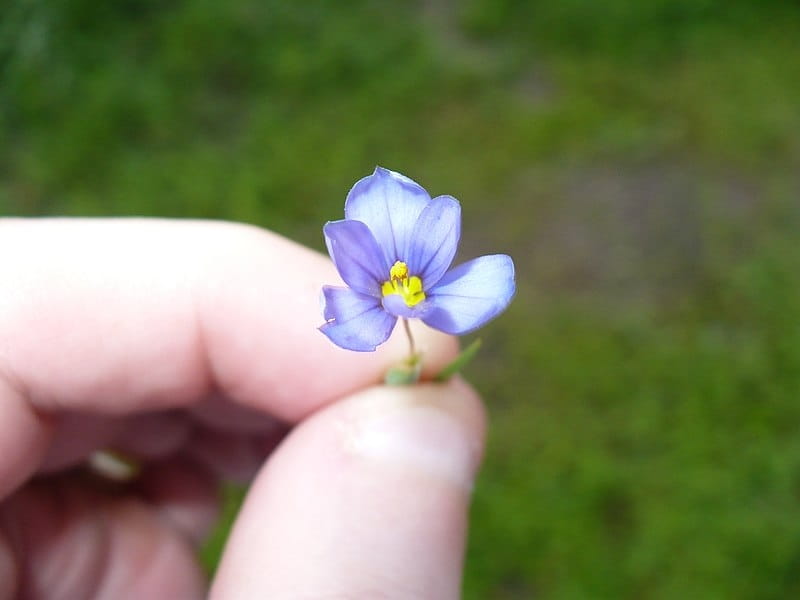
[409, 288]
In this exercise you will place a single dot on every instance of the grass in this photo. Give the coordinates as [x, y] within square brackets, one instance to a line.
[638, 160]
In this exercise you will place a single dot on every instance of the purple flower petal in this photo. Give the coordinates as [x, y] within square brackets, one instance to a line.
[471, 294]
[355, 321]
[389, 203]
[395, 305]
[434, 240]
[356, 255]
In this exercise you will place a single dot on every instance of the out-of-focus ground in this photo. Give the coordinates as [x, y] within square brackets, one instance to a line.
[639, 160]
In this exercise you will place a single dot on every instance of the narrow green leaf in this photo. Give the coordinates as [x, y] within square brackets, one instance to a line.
[466, 355]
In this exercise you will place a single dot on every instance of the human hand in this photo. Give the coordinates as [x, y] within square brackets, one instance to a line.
[192, 346]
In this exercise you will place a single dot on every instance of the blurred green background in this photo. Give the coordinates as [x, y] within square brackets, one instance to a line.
[639, 160]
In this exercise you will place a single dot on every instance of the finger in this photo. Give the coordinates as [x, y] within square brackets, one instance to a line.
[218, 413]
[147, 436]
[24, 438]
[71, 543]
[184, 493]
[75, 437]
[8, 570]
[233, 457]
[366, 499]
[153, 435]
[126, 315]
[122, 316]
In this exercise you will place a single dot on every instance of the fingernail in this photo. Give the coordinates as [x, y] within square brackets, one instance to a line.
[400, 428]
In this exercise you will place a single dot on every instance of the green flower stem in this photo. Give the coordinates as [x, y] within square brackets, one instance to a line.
[411, 347]
[410, 370]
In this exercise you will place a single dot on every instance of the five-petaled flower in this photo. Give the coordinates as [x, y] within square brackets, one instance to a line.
[393, 249]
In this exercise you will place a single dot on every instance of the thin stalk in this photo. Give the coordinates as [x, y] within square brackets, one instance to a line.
[409, 371]
[411, 346]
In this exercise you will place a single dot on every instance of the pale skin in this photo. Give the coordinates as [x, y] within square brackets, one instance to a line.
[193, 347]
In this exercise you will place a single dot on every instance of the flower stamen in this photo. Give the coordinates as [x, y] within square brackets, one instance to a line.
[409, 288]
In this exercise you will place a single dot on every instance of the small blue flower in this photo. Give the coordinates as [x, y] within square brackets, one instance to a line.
[393, 249]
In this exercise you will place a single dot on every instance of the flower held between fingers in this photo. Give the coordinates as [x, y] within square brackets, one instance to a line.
[393, 249]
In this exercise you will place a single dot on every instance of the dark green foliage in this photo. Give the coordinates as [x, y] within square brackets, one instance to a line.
[638, 159]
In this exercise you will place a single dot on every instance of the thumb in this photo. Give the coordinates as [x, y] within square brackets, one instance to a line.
[366, 499]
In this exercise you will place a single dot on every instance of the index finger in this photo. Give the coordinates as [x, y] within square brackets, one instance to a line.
[121, 316]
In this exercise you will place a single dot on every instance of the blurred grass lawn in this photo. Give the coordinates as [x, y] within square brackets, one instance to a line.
[638, 159]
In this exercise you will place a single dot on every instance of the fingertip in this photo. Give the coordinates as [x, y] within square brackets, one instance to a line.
[429, 428]
[367, 498]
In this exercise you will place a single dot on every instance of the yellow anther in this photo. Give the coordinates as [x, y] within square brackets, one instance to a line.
[409, 288]
[399, 271]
